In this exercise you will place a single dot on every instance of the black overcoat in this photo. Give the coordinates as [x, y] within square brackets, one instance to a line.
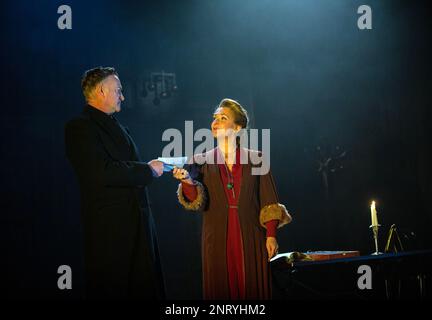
[121, 254]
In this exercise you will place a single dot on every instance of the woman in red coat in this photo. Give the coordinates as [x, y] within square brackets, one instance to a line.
[241, 212]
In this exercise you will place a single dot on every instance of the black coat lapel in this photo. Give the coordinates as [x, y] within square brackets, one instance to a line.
[135, 153]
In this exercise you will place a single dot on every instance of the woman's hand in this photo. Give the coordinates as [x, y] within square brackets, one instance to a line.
[182, 174]
[272, 247]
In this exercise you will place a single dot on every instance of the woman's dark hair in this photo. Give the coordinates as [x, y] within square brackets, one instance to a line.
[240, 114]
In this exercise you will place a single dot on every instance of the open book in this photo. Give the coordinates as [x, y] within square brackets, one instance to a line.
[291, 257]
[296, 256]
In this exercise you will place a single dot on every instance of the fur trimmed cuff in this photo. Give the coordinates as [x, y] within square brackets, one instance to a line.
[196, 205]
[275, 211]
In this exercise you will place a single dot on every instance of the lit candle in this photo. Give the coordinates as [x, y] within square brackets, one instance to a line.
[374, 215]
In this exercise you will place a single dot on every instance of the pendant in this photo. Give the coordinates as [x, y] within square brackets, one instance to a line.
[230, 186]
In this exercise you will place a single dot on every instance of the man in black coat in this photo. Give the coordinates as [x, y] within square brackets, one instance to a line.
[121, 251]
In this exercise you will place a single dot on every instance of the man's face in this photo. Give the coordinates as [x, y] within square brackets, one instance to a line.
[113, 95]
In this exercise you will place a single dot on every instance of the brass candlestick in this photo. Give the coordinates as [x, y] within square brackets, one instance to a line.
[375, 234]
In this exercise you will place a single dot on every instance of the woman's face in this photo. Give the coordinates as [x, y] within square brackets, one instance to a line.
[223, 119]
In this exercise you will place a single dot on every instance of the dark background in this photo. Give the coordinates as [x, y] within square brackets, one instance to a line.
[301, 68]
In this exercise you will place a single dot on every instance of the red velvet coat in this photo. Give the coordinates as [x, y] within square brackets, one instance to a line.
[258, 204]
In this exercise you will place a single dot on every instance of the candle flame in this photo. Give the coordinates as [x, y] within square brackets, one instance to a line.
[373, 204]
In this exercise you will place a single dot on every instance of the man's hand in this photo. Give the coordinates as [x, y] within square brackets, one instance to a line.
[272, 247]
[157, 167]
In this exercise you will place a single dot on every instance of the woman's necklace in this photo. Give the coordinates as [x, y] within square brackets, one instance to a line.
[230, 184]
